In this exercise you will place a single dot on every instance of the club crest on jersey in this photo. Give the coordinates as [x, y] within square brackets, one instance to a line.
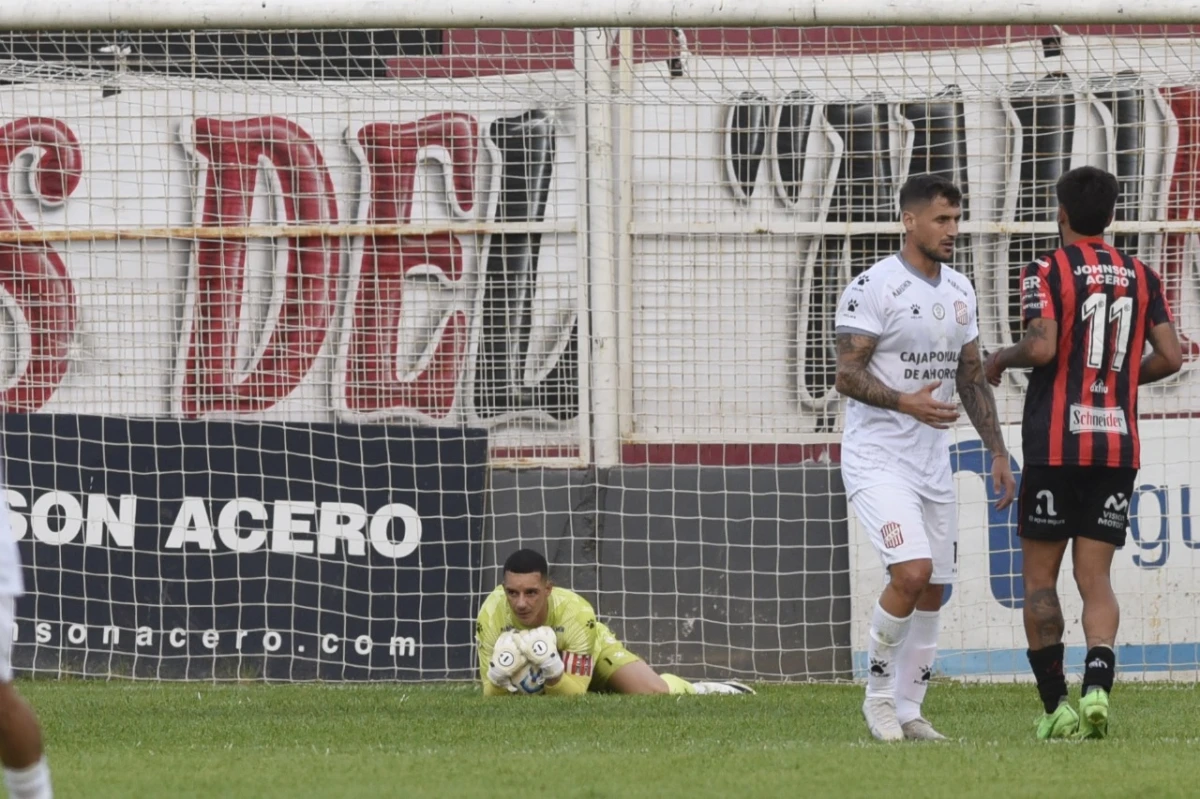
[939, 313]
[960, 312]
[893, 536]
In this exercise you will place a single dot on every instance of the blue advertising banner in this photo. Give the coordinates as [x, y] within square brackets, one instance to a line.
[199, 549]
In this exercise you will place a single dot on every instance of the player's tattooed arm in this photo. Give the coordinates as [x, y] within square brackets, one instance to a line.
[1166, 356]
[1037, 348]
[854, 380]
[980, 404]
[978, 400]
[854, 351]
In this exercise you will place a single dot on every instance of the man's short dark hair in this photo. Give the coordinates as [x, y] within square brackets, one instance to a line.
[1088, 195]
[921, 189]
[527, 561]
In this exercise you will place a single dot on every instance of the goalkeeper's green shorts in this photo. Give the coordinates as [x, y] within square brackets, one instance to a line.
[613, 655]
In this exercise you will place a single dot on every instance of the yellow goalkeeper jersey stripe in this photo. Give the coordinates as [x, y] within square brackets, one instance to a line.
[580, 637]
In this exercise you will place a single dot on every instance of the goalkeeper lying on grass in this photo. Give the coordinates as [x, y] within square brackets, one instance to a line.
[535, 638]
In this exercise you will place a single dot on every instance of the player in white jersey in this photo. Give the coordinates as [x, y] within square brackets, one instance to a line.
[907, 334]
[25, 771]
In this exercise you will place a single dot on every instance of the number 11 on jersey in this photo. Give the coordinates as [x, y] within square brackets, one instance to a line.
[1099, 315]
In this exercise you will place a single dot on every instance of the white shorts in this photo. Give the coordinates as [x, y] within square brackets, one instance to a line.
[904, 526]
[8, 620]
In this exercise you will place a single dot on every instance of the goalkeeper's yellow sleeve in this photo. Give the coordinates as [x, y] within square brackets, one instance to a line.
[569, 685]
[492, 690]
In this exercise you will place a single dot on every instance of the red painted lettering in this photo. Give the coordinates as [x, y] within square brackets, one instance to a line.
[232, 151]
[373, 379]
[33, 274]
[1182, 200]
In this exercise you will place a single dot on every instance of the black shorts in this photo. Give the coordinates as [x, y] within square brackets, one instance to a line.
[1057, 503]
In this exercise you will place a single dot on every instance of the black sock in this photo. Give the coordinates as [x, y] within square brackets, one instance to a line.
[1099, 668]
[1047, 664]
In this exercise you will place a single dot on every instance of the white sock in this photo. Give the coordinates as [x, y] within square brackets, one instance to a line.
[914, 664]
[31, 782]
[886, 635]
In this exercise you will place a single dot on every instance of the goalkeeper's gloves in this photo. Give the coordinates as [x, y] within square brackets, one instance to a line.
[507, 660]
[540, 648]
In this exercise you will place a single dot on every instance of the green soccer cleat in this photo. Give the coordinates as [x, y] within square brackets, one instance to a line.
[1062, 723]
[1093, 714]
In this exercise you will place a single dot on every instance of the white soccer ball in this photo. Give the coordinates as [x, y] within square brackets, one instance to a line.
[529, 680]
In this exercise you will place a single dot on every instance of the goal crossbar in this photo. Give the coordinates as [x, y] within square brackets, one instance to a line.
[314, 14]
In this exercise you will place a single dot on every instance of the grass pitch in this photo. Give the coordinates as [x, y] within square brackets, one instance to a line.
[183, 740]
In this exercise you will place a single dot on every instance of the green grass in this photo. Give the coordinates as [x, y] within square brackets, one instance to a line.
[176, 740]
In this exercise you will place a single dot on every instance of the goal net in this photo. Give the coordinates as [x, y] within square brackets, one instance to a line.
[304, 332]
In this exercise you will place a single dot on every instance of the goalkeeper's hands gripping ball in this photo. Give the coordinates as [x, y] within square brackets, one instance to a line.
[529, 680]
[507, 661]
[540, 647]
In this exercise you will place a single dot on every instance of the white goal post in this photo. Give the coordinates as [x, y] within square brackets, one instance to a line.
[284, 14]
[312, 313]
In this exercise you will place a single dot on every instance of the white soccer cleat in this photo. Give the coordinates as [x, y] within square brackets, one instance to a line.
[726, 687]
[880, 713]
[919, 729]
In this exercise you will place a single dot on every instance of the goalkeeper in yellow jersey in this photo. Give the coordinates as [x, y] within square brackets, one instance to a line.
[536, 638]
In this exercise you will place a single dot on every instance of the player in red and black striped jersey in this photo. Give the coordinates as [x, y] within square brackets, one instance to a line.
[1081, 406]
[1089, 311]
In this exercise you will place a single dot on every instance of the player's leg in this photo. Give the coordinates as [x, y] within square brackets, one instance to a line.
[1046, 513]
[639, 678]
[914, 667]
[1101, 615]
[1043, 630]
[636, 677]
[892, 516]
[25, 771]
[1093, 575]
[891, 621]
[1107, 515]
[620, 671]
